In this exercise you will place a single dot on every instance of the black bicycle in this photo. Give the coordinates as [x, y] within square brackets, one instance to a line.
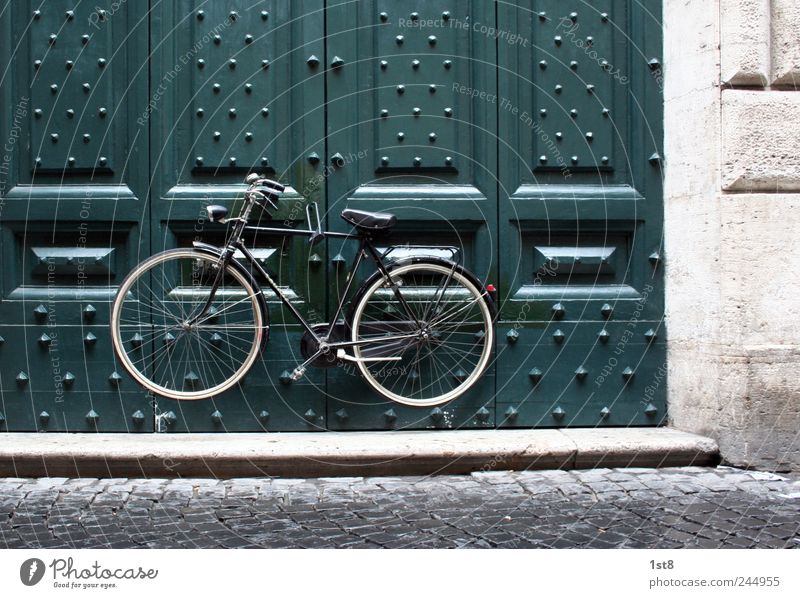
[189, 323]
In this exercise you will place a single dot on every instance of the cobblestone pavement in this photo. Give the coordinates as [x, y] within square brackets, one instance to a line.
[603, 508]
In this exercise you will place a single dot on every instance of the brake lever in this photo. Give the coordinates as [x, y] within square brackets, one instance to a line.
[255, 194]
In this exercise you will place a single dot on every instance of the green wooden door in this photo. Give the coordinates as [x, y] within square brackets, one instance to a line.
[524, 143]
[238, 87]
[73, 196]
[581, 333]
[412, 139]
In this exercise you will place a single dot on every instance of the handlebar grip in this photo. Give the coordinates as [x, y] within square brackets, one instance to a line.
[254, 179]
[266, 190]
[260, 194]
[274, 185]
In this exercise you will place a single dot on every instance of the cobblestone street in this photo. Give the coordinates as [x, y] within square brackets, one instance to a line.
[602, 508]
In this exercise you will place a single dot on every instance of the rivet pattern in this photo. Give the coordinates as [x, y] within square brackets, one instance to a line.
[232, 80]
[415, 74]
[567, 57]
[72, 78]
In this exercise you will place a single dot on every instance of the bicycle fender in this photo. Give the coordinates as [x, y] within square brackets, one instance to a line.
[439, 261]
[262, 302]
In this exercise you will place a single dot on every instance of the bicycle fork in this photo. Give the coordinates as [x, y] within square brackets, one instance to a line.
[221, 266]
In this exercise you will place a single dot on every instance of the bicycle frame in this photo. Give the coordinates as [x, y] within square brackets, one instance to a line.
[366, 247]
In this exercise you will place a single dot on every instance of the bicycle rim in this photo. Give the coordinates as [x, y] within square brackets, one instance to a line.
[153, 337]
[436, 367]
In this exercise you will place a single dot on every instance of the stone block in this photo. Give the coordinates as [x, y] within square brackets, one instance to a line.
[691, 97]
[759, 271]
[785, 43]
[763, 433]
[760, 145]
[745, 42]
[692, 247]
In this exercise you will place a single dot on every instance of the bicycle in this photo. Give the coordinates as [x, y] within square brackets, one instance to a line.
[189, 323]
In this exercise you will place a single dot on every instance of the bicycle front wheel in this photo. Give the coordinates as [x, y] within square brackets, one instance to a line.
[165, 339]
[434, 327]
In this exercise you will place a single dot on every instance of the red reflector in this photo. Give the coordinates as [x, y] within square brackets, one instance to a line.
[490, 288]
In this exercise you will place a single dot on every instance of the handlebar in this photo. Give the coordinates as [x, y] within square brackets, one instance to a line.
[256, 180]
[261, 188]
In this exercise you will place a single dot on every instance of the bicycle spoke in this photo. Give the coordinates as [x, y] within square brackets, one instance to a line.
[156, 339]
[447, 354]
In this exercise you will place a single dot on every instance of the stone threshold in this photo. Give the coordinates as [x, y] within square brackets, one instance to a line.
[308, 454]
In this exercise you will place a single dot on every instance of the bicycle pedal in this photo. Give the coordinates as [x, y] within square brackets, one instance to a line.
[297, 373]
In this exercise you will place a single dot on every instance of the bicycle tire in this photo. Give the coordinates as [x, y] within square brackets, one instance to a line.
[149, 323]
[452, 366]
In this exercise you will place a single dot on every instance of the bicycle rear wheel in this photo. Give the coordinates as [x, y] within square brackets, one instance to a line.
[165, 346]
[445, 327]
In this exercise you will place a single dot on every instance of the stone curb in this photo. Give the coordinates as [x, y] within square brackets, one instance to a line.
[346, 453]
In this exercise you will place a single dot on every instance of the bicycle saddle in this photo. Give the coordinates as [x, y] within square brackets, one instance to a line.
[216, 213]
[369, 220]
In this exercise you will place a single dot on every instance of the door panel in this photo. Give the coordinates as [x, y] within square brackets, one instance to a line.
[524, 143]
[581, 338]
[406, 135]
[238, 87]
[73, 186]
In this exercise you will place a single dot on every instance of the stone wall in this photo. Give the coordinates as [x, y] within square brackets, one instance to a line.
[732, 238]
